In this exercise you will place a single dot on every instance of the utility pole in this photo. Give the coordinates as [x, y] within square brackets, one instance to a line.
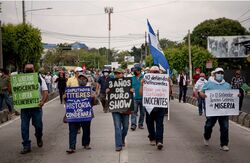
[146, 46]
[1, 48]
[158, 35]
[24, 16]
[109, 11]
[190, 58]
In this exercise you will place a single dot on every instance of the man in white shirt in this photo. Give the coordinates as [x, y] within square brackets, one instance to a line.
[198, 88]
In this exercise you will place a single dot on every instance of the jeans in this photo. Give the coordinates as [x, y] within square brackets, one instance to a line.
[201, 105]
[155, 118]
[224, 125]
[5, 96]
[49, 85]
[121, 123]
[36, 115]
[183, 92]
[138, 104]
[73, 128]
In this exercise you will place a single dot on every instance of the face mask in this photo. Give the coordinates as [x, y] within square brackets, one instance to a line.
[105, 73]
[82, 82]
[219, 77]
[202, 78]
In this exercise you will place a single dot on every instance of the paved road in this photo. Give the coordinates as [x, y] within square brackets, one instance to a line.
[246, 101]
[182, 143]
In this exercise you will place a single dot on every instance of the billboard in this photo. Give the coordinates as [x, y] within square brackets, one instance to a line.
[129, 59]
[228, 46]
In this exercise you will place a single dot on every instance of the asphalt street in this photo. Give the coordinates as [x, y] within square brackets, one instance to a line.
[183, 140]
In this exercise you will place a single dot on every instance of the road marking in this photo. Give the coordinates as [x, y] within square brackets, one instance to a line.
[242, 127]
[13, 120]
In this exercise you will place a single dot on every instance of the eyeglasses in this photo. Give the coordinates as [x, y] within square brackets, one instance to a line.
[118, 73]
[237, 74]
[154, 71]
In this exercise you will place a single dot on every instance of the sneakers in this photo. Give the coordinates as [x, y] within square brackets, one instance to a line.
[39, 142]
[152, 142]
[224, 148]
[118, 149]
[140, 127]
[87, 147]
[133, 127]
[25, 151]
[70, 151]
[159, 145]
[206, 142]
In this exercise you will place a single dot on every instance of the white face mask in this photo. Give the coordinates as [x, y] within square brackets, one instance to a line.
[202, 78]
[105, 73]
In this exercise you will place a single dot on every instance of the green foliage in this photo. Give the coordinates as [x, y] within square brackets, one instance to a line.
[136, 52]
[215, 27]
[21, 44]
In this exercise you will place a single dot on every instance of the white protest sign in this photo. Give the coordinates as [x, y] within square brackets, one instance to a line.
[155, 91]
[222, 102]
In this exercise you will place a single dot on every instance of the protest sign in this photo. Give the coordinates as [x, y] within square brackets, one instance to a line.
[155, 91]
[120, 98]
[25, 90]
[222, 102]
[78, 104]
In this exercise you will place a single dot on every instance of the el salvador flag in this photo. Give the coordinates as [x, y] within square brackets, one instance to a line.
[156, 51]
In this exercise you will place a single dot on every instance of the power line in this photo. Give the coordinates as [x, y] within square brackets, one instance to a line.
[243, 14]
[245, 20]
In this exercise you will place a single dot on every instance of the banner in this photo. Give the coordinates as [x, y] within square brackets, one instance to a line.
[78, 104]
[222, 102]
[25, 90]
[155, 91]
[120, 98]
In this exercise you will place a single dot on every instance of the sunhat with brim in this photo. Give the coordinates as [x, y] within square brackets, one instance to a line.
[82, 74]
[137, 68]
[218, 69]
[119, 70]
[105, 70]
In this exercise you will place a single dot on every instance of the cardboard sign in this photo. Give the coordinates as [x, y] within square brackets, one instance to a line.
[222, 102]
[78, 104]
[25, 90]
[155, 91]
[120, 97]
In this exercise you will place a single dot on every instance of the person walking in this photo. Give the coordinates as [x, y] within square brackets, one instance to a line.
[136, 83]
[85, 125]
[198, 88]
[48, 80]
[182, 81]
[101, 88]
[61, 85]
[5, 89]
[155, 119]
[33, 113]
[237, 81]
[120, 119]
[218, 83]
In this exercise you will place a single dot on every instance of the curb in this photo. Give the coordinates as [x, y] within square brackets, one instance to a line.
[242, 119]
[5, 116]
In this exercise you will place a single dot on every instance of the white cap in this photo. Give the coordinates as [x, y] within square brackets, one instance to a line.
[154, 68]
[78, 69]
[218, 69]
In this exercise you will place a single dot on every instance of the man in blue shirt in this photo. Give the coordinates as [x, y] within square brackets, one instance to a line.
[218, 83]
[136, 83]
[101, 88]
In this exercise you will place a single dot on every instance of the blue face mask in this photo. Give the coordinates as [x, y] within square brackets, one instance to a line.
[219, 77]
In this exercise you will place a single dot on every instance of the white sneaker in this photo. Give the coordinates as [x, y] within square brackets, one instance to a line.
[206, 142]
[153, 143]
[224, 148]
[159, 145]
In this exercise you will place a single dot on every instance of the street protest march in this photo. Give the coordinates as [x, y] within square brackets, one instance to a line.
[78, 104]
[120, 97]
[155, 91]
[222, 102]
[25, 90]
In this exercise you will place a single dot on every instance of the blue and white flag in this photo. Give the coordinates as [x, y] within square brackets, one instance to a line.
[156, 51]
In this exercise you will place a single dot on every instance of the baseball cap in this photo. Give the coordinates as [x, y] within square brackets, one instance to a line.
[218, 69]
[82, 74]
[78, 69]
[119, 70]
[154, 68]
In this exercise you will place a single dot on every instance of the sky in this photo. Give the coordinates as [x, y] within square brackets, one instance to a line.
[85, 21]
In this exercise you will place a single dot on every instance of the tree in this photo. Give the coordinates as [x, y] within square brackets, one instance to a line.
[136, 52]
[215, 27]
[21, 44]
[166, 43]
